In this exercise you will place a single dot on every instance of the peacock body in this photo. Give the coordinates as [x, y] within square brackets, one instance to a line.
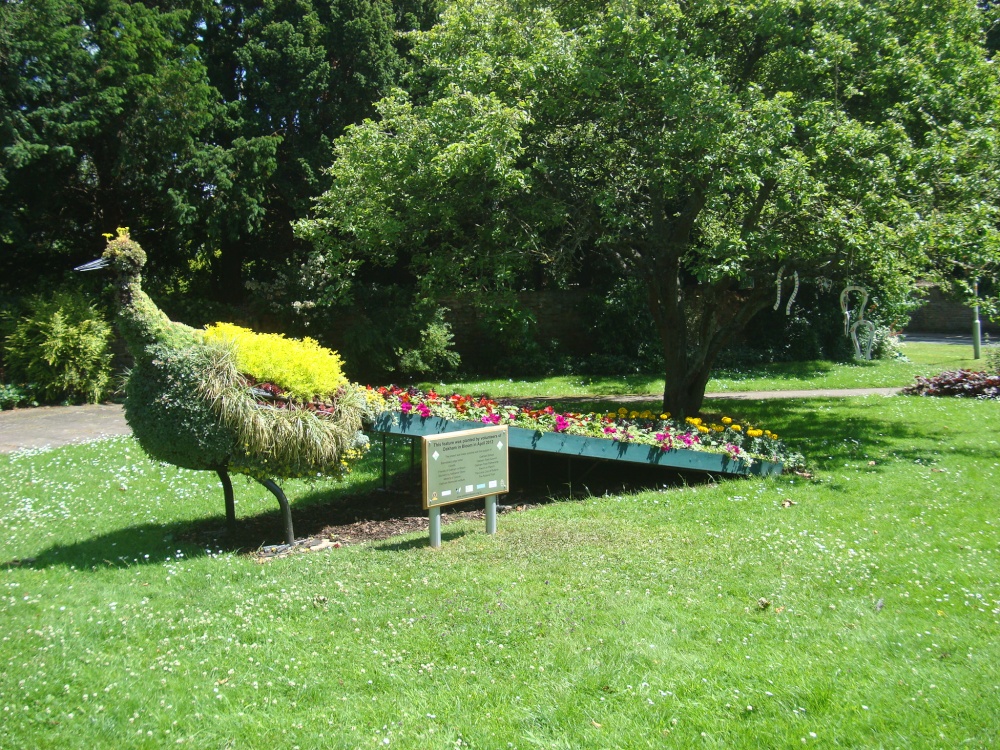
[189, 402]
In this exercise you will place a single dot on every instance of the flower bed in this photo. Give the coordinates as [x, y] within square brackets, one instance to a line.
[964, 383]
[727, 445]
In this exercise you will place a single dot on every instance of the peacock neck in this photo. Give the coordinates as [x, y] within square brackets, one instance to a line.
[144, 326]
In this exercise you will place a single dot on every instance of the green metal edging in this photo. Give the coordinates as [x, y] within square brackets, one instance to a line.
[394, 423]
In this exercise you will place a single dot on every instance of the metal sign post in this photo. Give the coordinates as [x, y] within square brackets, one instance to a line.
[461, 466]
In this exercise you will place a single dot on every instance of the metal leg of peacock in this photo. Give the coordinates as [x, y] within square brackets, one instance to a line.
[286, 511]
[227, 488]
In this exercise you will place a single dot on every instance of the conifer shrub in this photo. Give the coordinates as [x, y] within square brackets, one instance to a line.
[302, 368]
[60, 346]
[434, 355]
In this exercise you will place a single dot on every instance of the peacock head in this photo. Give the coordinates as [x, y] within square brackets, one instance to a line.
[122, 254]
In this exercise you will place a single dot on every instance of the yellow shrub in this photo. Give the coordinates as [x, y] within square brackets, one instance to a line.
[304, 369]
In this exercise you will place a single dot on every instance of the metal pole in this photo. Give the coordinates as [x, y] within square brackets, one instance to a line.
[977, 334]
[435, 526]
[383, 460]
[491, 514]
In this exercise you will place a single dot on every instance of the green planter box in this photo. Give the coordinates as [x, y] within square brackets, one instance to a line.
[395, 423]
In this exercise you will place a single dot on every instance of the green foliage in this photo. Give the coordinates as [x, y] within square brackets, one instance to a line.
[61, 347]
[992, 358]
[271, 442]
[512, 333]
[164, 408]
[207, 121]
[434, 355]
[701, 152]
[619, 328]
[303, 368]
[188, 404]
[12, 396]
[105, 117]
[886, 344]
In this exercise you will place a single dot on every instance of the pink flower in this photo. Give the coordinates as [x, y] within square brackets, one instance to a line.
[405, 407]
[424, 410]
[491, 419]
[561, 423]
[610, 430]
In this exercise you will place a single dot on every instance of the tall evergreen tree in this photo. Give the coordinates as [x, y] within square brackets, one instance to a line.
[105, 107]
[201, 125]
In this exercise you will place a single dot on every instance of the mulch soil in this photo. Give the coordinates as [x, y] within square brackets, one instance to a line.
[352, 520]
[383, 514]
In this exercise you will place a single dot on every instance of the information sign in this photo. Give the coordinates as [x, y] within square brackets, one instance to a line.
[466, 465]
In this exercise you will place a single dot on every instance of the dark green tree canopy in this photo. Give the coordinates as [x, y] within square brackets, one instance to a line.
[201, 125]
[704, 148]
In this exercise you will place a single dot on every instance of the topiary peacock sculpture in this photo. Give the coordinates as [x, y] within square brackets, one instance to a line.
[226, 399]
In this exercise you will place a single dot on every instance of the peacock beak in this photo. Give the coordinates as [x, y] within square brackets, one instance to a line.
[94, 265]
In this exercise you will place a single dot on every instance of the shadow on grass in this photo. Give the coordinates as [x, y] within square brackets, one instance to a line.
[809, 370]
[827, 431]
[416, 542]
[349, 517]
[365, 516]
[831, 430]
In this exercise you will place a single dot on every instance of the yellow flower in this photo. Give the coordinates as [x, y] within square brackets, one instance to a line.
[727, 420]
[633, 414]
[647, 414]
[702, 428]
[665, 415]
[622, 412]
[737, 428]
[774, 436]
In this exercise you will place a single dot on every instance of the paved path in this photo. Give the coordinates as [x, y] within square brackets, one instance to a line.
[52, 426]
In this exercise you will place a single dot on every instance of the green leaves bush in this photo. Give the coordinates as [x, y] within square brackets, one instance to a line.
[434, 355]
[60, 347]
[12, 396]
[993, 358]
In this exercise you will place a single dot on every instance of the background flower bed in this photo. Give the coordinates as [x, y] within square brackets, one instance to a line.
[959, 383]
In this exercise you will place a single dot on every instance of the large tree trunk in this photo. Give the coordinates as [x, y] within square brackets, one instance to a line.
[694, 325]
[694, 321]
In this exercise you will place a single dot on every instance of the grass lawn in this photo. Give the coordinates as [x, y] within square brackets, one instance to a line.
[924, 359]
[619, 621]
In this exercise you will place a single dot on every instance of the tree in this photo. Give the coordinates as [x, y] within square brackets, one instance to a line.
[105, 107]
[710, 150]
[292, 75]
[201, 125]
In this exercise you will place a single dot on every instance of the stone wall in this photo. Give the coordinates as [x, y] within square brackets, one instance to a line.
[940, 315]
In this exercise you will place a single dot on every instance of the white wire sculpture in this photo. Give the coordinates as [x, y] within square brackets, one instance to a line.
[795, 291]
[866, 326]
